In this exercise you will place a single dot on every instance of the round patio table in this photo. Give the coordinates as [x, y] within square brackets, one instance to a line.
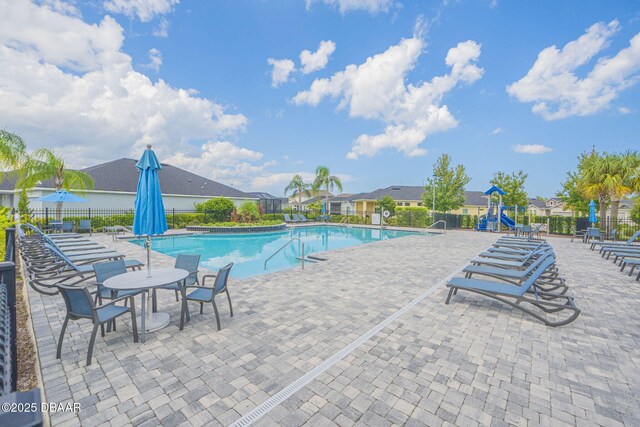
[139, 279]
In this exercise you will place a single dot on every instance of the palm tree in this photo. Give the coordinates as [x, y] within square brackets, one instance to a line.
[298, 187]
[13, 152]
[44, 164]
[590, 182]
[326, 180]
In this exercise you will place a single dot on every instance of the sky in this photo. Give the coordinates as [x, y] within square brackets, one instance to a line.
[251, 92]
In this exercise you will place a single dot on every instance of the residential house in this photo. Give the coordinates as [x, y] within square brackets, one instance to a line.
[115, 185]
[269, 202]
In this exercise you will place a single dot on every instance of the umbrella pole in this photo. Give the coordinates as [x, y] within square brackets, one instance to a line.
[148, 246]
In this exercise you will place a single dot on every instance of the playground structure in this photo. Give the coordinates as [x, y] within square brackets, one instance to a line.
[495, 217]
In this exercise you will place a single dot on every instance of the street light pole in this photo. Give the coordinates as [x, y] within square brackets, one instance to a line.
[433, 205]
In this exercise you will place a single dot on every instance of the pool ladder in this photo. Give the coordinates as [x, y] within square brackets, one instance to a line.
[436, 223]
[284, 246]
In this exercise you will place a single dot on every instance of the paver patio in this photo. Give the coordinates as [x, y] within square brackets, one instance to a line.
[473, 362]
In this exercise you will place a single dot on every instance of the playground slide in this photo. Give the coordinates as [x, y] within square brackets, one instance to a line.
[507, 221]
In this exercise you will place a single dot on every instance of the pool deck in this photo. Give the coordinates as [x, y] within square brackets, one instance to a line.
[473, 362]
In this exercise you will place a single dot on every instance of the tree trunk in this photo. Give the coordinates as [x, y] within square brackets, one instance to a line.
[57, 182]
[615, 205]
[603, 209]
[299, 202]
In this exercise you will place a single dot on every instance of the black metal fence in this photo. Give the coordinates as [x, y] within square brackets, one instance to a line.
[8, 318]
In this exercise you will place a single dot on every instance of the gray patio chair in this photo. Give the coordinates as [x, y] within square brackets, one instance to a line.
[67, 226]
[204, 294]
[184, 262]
[85, 225]
[106, 270]
[80, 305]
[516, 296]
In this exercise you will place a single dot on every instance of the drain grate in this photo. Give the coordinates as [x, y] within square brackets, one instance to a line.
[266, 406]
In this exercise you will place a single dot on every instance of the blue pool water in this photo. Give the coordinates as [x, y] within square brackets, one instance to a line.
[249, 251]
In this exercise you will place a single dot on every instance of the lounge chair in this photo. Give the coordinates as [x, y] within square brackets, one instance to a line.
[296, 218]
[302, 218]
[516, 296]
[287, 218]
[629, 242]
[80, 305]
[204, 294]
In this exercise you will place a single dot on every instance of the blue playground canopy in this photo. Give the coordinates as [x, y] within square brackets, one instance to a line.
[495, 189]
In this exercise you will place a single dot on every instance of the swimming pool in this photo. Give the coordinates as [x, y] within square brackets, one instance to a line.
[249, 251]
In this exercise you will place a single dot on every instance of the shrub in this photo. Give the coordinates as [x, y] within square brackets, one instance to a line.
[249, 211]
[218, 208]
[6, 221]
[412, 216]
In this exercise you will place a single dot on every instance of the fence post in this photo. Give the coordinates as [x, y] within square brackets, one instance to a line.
[89, 214]
[173, 218]
[46, 216]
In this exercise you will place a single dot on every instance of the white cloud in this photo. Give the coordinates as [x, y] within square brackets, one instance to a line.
[314, 61]
[344, 6]
[145, 10]
[497, 131]
[69, 85]
[155, 59]
[376, 89]
[557, 92]
[163, 28]
[531, 149]
[624, 110]
[281, 70]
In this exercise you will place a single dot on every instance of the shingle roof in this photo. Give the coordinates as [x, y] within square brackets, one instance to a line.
[122, 175]
[537, 203]
[396, 192]
[475, 198]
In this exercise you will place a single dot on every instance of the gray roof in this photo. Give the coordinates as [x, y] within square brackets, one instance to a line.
[396, 192]
[262, 195]
[537, 202]
[122, 175]
[475, 198]
[314, 199]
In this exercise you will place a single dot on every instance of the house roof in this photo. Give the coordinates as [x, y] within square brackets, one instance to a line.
[122, 175]
[475, 198]
[537, 203]
[314, 199]
[396, 192]
[262, 195]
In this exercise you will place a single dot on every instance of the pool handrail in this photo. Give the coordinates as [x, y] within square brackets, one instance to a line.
[438, 222]
[284, 246]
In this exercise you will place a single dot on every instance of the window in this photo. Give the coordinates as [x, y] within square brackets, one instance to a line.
[407, 204]
[419, 203]
[465, 211]
[399, 204]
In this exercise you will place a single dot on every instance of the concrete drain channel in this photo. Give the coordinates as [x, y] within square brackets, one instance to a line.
[288, 391]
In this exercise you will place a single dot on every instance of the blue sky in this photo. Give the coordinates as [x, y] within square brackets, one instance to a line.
[385, 86]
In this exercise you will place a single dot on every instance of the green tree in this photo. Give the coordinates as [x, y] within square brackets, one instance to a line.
[326, 181]
[635, 211]
[299, 188]
[449, 184]
[513, 185]
[571, 195]
[220, 208]
[23, 205]
[13, 154]
[619, 177]
[44, 164]
[388, 204]
[591, 182]
[249, 211]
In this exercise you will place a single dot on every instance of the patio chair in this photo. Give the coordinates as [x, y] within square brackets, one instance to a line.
[204, 294]
[80, 305]
[106, 270]
[296, 218]
[85, 225]
[287, 218]
[515, 296]
[67, 226]
[184, 262]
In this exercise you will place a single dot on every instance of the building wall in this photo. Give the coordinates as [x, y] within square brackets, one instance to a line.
[104, 200]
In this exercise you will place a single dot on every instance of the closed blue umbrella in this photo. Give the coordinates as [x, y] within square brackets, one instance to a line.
[592, 213]
[149, 218]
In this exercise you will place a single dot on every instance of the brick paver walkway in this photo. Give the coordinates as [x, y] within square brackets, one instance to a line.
[473, 362]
